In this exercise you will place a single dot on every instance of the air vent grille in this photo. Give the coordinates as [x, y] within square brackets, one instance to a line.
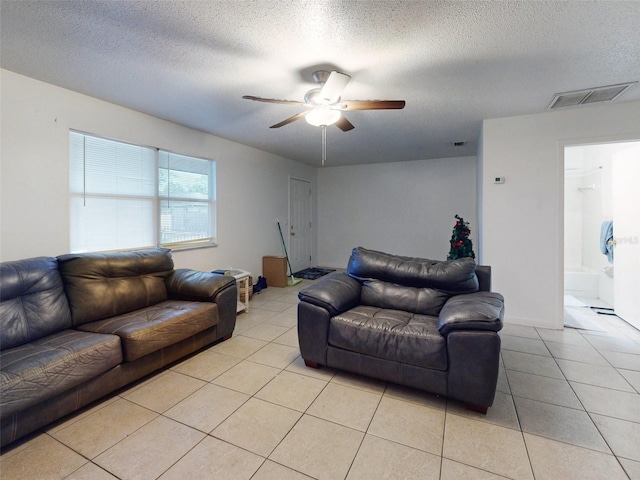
[592, 95]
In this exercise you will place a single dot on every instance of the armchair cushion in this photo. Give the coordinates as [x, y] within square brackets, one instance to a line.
[453, 276]
[391, 335]
[473, 311]
[424, 301]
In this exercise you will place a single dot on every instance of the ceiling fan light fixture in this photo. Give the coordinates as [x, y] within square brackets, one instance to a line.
[322, 117]
[333, 86]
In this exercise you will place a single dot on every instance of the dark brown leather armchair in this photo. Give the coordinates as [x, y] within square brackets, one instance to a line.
[417, 322]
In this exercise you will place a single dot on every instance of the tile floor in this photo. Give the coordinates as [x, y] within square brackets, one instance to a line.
[567, 407]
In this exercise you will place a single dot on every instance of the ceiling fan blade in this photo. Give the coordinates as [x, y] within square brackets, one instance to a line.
[344, 124]
[289, 120]
[272, 100]
[333, 87]
[351, 105]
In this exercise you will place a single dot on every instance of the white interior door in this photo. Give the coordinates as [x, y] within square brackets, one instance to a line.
[299, 224]
[626, 234]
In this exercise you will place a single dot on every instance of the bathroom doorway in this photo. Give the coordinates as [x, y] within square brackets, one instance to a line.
[601, 233]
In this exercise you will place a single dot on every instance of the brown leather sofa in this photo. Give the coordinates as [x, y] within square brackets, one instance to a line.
[417, 322]
[77, 327]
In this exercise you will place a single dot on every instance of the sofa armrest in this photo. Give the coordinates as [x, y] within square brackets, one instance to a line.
[472, 311]
[195, 286]
[187, 284]
[336, 293]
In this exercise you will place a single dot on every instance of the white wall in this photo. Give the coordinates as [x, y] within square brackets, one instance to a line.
[406, 208]
[522, 219]
[252, 186]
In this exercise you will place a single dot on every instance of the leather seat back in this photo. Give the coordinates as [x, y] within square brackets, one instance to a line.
[32, 301]
[411, 284]
[103, 285]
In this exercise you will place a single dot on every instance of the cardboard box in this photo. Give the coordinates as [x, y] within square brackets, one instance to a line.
[274, 269]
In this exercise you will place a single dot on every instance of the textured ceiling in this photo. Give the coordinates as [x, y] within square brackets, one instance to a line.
[455, 64]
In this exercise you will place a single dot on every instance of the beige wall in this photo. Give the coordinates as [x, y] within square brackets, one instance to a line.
[405, 208]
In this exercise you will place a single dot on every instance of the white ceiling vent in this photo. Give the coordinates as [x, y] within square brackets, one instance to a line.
[607, 93]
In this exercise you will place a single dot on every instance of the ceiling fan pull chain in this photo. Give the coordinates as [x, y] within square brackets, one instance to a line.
[324, 144]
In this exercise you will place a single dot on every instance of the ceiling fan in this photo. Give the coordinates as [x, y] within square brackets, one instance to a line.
[324, 104]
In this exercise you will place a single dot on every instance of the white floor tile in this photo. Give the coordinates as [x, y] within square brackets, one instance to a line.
[552, 460]
[559, 423]
[612, 403]
[347, 406]
[544, 389]
[409, 424]
[257, 426]
[622, 436]
[487, 447]
[380, 458]
[319, 448]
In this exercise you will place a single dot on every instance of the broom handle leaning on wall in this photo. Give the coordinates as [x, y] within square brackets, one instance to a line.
[284, 247]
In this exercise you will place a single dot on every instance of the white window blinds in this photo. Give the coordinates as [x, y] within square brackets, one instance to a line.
[125, 196]
[185, 190]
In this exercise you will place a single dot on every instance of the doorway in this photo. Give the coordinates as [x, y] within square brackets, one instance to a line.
[299, 224]
[601, 232]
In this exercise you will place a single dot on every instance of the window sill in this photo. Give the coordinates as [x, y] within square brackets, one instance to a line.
[189, 247]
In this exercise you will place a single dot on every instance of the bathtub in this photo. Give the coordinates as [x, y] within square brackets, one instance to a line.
[581, 282]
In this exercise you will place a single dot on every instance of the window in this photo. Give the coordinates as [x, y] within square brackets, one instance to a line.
[125, 196]
[185, 185]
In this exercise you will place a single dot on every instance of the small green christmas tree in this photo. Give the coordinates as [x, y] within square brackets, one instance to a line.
[461, 246]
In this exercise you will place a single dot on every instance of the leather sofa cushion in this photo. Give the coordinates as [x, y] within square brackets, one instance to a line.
[101, 285]
[391, 335]
[152, 328]
[44, 368]
[424, 301]
[451, 276]
[32, 301]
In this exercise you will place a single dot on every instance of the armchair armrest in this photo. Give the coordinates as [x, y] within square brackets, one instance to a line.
[186, 284]
[336, 293]
[472, 311]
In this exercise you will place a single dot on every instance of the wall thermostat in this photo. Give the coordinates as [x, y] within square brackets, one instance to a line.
[498, 179]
